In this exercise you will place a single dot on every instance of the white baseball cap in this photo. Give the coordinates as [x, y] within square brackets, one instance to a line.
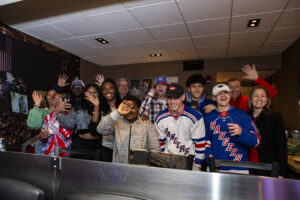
[219, 88]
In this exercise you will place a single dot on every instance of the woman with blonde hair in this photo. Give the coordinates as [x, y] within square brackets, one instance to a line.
[273, 145]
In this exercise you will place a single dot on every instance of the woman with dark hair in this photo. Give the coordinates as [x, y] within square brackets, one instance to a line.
[37, 115]
[273, 146]
[111, 101]
[84, 120]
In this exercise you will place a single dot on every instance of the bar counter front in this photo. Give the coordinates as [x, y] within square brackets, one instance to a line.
[66, 178]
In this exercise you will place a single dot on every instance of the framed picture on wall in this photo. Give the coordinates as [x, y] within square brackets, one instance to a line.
[146, 86]
[172, 79]
[135, 87]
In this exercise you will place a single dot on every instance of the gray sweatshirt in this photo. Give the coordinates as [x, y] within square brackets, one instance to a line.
[143, 135]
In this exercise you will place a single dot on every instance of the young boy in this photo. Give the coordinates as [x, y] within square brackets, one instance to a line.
[181, 129]
[196, 97]
[130, 132]
[231, 131]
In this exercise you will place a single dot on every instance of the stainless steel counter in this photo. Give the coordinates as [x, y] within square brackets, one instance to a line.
[79, 176]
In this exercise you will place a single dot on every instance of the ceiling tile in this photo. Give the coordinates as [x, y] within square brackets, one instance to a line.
[72, 44]
[148, 47]
[184, 54]
[118, 50]
[212, 51]
[294, 4]
[289, 18]
[169, 31]
[285, 34]
[133, 36]
[27, 24]
[183, 43]
[94, 52]
[16, 16]
[248, 37]
[91, 39]
[79, 27]
[214, 40]
[115, 21]
[92, 7]
[269, 53]
[103, 61]
[165, 13]
[131, 4]
[242, 7]
[47, 32]
[276, 46]
[194, 10]
[209, 27]
[241, 50]
[268, 20]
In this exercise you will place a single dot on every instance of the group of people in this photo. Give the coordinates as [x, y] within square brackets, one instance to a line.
[104, 116]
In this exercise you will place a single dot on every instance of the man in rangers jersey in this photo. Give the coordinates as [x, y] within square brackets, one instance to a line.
[230, 130]
[181, 129]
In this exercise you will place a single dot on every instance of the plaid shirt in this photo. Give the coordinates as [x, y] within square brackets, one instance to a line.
[151, 106]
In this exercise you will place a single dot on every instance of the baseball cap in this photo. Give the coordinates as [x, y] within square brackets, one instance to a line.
[174, 90]
[161, 79]
[77, 81]
[219, 88]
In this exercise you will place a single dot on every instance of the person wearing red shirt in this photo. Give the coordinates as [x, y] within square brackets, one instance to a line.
[237, 99]
[241, 102]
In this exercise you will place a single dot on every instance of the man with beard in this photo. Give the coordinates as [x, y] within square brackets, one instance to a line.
[155, 100]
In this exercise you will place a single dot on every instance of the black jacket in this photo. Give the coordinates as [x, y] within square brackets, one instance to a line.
[273, 146]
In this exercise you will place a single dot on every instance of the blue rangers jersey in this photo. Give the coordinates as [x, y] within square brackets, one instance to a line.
[224, 146]
[183, 134]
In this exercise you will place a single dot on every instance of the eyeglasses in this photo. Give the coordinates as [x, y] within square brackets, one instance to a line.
[78, 87]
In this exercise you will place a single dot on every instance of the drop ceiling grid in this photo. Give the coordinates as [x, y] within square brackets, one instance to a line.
[204, 25]
[263, 46]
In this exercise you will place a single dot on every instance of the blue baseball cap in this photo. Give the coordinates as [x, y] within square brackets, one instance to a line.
[161, 79]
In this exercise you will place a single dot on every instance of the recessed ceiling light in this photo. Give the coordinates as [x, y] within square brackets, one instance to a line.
[102, 41]
[253, 23]
[155, 55]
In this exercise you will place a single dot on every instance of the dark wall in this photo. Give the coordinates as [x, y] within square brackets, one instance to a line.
[286, 82]
[33, 68]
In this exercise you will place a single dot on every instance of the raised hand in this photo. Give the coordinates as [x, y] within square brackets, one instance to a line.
[37, 98]
[125, 107]
[153, 91]
[94, 100]
[62, 80]
[250, 71]
[99, 79]
[234, 129]
[44, 133]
